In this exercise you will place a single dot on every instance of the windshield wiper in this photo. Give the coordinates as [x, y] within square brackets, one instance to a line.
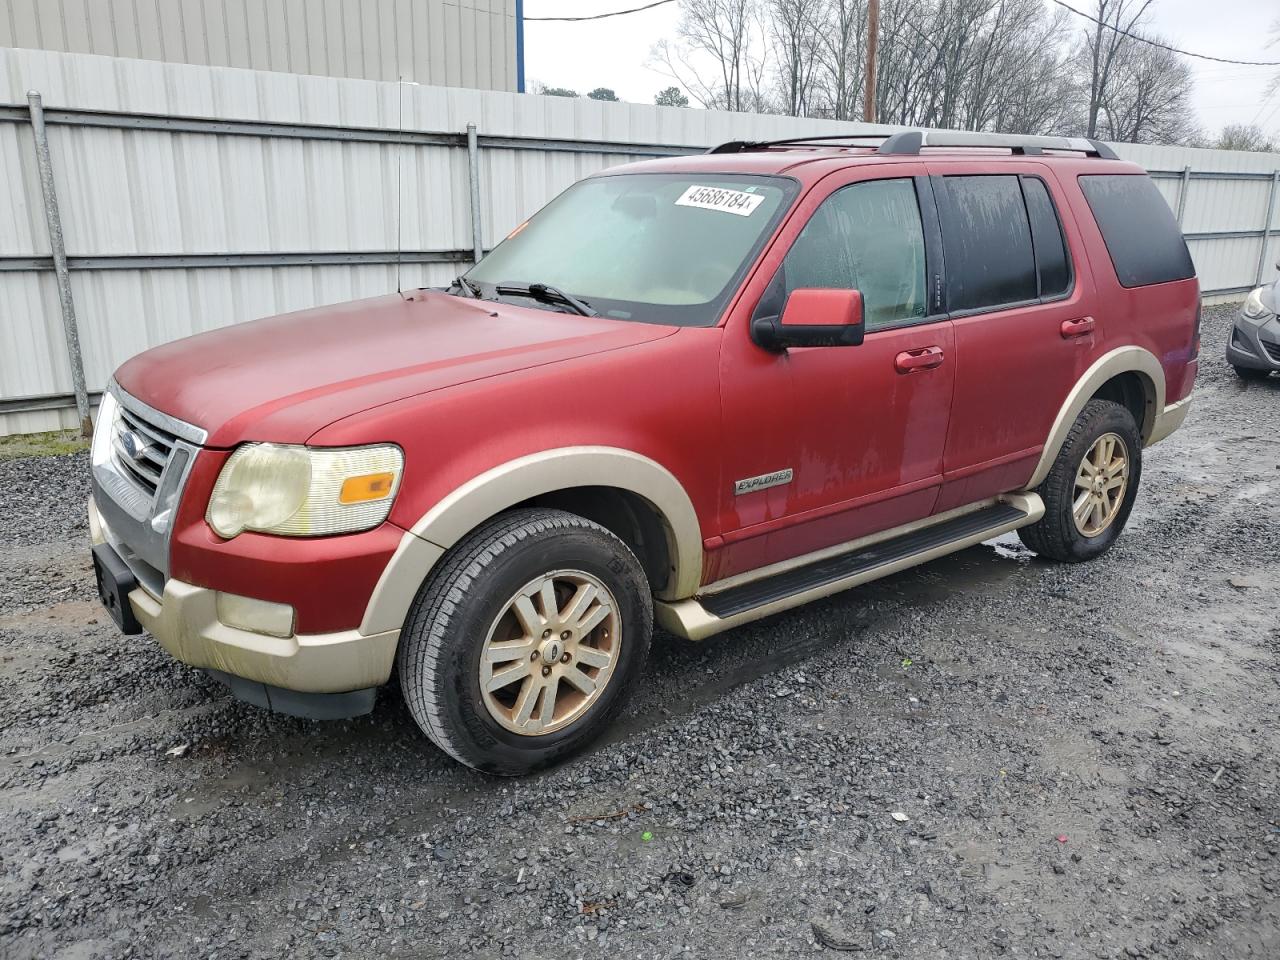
[469, 286]
[547, 294]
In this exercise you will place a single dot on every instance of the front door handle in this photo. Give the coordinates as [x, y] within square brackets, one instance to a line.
[926, 358]
[1080, 327]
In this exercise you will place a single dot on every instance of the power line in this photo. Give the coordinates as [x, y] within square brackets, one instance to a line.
[601, 16]
[1165, 46]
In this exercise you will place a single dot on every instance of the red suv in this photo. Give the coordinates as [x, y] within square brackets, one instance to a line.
[697, 391]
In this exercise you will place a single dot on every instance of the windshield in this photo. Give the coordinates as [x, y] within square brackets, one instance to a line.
[660, 248]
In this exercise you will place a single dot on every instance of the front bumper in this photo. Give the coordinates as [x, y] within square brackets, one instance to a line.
[1255, 344]
[184, 619]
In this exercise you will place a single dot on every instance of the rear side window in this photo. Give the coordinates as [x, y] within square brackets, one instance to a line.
[1143, 238]
[1046, 237]
[986, 239]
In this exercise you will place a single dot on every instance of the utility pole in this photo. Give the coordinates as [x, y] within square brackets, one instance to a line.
[873, 40]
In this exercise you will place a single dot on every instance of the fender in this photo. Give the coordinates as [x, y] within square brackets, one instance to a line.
[1121, 360]
[513, 482]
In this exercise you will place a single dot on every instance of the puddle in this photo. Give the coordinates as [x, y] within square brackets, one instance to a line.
[1255, 491]
[1010, 547]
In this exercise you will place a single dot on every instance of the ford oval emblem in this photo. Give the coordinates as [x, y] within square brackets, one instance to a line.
[133, 445]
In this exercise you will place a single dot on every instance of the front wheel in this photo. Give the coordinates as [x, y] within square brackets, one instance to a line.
[524, 643]
[1091, 486]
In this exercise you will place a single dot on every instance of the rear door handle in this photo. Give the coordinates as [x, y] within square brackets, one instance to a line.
[926, 358]
[1080, 327]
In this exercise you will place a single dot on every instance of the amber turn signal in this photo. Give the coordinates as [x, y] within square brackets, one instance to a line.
[372, 486]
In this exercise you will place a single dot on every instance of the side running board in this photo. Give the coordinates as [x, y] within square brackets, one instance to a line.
[711, 613]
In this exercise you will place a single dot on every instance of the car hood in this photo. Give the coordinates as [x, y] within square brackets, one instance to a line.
[283, 378]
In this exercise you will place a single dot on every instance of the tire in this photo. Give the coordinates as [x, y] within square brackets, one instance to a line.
[1058, 535]
[471, 601]
[1250, 373]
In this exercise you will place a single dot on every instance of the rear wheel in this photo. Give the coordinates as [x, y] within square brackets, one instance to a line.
[1250, 373]
[1091, 486]
[524, 643]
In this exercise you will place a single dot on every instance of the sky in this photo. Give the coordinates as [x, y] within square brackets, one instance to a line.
[616, 52]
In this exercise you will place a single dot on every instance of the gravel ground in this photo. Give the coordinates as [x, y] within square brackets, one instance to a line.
[988, 756]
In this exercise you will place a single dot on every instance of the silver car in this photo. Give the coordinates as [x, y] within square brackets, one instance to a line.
[1254, 347]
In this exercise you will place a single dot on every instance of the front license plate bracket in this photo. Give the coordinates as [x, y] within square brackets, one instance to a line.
[115, 582]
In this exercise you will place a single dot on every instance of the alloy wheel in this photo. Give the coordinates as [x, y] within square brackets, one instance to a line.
[550, 652]
[1101, 483]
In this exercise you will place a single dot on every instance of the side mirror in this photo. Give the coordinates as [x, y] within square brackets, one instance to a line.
[813, 318]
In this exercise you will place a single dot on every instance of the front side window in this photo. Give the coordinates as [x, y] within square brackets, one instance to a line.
[865, 237]
[986, 240]
[659, 248]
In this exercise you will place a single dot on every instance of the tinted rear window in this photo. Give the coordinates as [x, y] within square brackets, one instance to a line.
[1143, 238]
[987, 241]
[1046, 234]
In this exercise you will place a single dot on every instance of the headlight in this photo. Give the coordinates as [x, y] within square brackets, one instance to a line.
[304, 491]
[100, 448]
[1254, 308]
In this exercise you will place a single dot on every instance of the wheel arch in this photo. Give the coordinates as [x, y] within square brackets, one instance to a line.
[1134, 391]
[628, 493]
[630, 517]
[1130, 376]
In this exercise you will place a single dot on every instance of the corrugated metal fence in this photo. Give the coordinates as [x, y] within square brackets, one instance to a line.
[193, 197]
[457, 43]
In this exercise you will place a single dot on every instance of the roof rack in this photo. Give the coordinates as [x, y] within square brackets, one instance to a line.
[912, 142]
[743, 146]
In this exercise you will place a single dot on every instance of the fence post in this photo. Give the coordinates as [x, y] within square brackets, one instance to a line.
[1182, 192]
[54, 220]
[1266, 228]
[473, 167]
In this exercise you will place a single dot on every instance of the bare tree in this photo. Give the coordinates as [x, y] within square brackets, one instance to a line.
[1241, 136]
[1015, 80]
[1115, 20]
[757, 89]
[1006, 65]
[673, 60]
[840, 55]
[1148, 98]
[796, 27]
[721, 32]
[910, 60]
[972, 64]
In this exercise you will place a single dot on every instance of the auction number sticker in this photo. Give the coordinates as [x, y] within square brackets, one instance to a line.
[717, 198]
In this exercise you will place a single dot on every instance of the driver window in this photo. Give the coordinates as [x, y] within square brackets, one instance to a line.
[867, 237]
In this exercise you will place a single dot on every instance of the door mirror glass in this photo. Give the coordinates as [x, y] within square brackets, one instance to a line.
[813, 318]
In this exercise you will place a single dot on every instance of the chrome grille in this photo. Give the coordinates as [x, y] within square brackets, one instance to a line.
[141, 458]
[1273, 349]
[141, 449]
